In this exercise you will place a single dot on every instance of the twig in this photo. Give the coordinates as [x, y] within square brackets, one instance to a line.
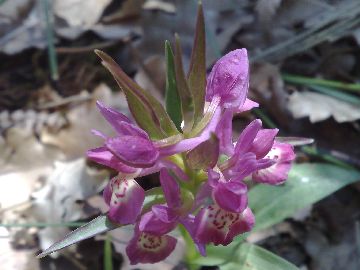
[85, 49]
[65, 101]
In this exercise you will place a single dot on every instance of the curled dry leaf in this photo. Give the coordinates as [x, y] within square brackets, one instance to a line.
[319, 107]
[59, 201]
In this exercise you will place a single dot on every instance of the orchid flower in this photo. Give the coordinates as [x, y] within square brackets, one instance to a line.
[150, 242]
[203, 171]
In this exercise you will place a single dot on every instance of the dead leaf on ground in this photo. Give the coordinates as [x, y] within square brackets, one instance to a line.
[61, 198]
[267, 86]
[76, 138]
[80, 13]
[319, 107]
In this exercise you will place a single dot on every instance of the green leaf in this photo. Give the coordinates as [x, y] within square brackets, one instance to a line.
[98, 225]
[307, 184]
[108, 263]
[253, 257]
[172, 98]
[197, 70]
[147, 110]
[183, 88]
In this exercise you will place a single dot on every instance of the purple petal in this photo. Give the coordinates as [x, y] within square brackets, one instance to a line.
[224, 132]
[126, 200]
[159, 221]
[112, 116]
[171, 189]
[282, 154]
[148, 248]
[263, 142]
[128, 129]
[229, 79]
[247, 106]
[246, 165]
[213, 178]
[107, 193]
[203, 193]
[245, 223]
[190, 225]
[218, 226]
[103, 156]
[133, 151]
[247, 137]
[231, 196]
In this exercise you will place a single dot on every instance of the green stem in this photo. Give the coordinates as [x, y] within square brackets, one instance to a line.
[191, 252]
[42, 225]
[354, 87]
[50, 41]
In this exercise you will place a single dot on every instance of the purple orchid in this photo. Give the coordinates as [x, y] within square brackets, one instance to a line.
[132, 151]
[229, 79]
[150, 242]
[203, 172]
[125, 198]
[283, 154]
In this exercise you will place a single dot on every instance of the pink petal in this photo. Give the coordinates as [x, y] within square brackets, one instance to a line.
[224, 133]
[282, 154]
[103, 156]
[148, 248]
[247, 137]
[231, 196]
[245, 223]
[218, 226]
[159, 221]
[229, 79]
[126, 200]
[133, 151]
[171, 189]
[247, 106]
[263, 142]
[112, 116]
[128, 129]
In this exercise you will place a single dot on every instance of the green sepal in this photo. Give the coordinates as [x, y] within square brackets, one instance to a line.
[146, 110]
[205, 155]
[187, 106]
[172, 98]
[197, 69]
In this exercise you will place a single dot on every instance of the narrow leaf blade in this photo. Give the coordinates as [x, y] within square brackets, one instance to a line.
[307, 184]
[197, 70]
[96, 226]
[172, 98]
[250, 256]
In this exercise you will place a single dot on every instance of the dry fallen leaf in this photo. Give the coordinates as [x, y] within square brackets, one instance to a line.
[319, 107]
[267, 87]
[82, 118]
[60, 199]
[80, 12]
